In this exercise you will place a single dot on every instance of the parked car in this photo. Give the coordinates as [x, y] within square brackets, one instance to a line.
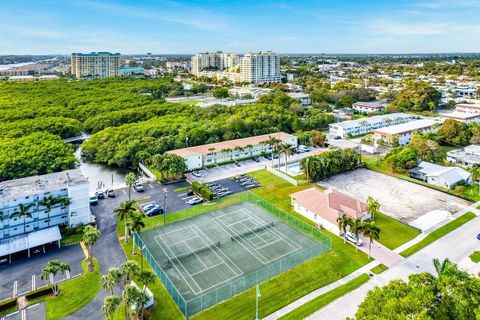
[238, 164]
[268, 156]
[196, 174]
[353, 239]
[256, 159]
[275, 156]
[149, 206]
[478, 236]
[93, 220]
[303, 148]
[111, 193]
[154, 211]
[138, 187]
[194, 201]
[93, 199]
[100, 195]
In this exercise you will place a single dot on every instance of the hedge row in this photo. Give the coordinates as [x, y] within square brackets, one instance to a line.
[200, 189]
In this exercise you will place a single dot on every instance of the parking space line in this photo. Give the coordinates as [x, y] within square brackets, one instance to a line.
[14, 289]
[34, 285]
[150, 185]
[24, 314]
[124, 192]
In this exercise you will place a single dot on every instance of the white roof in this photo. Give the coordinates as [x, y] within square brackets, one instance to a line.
[407, 127]
[459, 115]
[30, 240]
[452, 174]
[372, 120]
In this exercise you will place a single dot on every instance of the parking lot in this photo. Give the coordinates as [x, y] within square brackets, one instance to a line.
[34, 312]
[23, 274]
[400, 199]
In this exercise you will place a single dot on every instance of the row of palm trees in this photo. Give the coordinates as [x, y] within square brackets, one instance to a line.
[356, 226]
[278, 147]
[25, 213]
[133, 298]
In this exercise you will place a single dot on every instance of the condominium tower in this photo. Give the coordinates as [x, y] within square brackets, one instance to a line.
[213, 61]
[95, 65]
[261, 67]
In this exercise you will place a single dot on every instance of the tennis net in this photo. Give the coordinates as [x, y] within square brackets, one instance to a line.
[193, 252]
[257, 229]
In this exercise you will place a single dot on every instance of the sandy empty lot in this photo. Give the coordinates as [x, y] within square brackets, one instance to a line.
[400, 199]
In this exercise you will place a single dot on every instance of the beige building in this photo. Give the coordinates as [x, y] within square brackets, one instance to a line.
[260, 67]
[213, 61]
[95, 65]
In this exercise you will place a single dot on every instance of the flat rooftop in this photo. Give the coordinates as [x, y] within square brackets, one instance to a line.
[372, 120]
[460, 115]
[377, 104]
[230, 144]
[466, 105]
[406, 127]
[18, 188]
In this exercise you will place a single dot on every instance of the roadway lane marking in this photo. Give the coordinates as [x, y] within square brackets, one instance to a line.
[14, 289]
[34, 285]
[189, 197]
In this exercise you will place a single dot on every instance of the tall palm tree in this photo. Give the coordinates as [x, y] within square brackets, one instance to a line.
[371, 231]
[443, 267]
[272, 142]
[129, 269]
[24, 212]
[135, 224]
[145, 277]
[108, 283]
[90, 237]
[356, 228]
[286, 149]
[213, 153]
[373, 206]
[130, 181]
[344, 222]
[110, 305]
[48, 202]
[130, 295]
[50, 271]
[125, 211]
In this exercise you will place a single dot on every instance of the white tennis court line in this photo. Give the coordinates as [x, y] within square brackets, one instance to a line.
[204, 266]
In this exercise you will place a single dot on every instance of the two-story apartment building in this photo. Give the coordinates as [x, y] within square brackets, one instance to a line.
[404, 132]
[369, 107]
[365, 125]
[221, 152]
[24, 213]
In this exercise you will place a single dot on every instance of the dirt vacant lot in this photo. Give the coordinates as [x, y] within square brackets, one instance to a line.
[400, 199]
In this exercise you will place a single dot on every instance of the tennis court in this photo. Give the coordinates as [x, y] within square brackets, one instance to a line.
[211, 257]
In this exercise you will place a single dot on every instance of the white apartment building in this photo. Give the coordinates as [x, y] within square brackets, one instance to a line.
[16, 228]
[260, 67]
[365, 125]
[404, 132]
[369, 107]
[217, 153]
[95, 65]
[462, 116]
[467, 156]
[468, 108]
[303, 98]
[213, 60]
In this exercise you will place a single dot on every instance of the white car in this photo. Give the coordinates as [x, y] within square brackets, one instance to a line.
[196, 174]
[353, 239]
[194, 201]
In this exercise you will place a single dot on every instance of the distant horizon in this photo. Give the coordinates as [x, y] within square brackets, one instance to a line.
[308, 26]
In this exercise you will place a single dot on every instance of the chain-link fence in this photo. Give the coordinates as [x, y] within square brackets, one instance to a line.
[237, 285]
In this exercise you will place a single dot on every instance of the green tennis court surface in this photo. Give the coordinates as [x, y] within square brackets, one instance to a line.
[209, 258]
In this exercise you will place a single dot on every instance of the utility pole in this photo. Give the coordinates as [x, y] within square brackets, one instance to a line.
[165, 205]
[257, 295]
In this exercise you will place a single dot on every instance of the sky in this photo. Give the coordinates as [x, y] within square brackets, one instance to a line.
[294, 26]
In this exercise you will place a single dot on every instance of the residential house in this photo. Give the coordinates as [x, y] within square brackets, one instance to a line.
[467, 156]
[440, 176]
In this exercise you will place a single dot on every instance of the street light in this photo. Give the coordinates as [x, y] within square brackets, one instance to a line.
[141, 258]
[165, 191]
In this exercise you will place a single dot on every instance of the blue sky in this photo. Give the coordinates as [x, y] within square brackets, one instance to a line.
[294, 26]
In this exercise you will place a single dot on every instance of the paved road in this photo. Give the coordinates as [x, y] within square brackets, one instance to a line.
[107, 250]
[35, 312]
[456, 246]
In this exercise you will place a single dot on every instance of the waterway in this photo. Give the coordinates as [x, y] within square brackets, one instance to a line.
[101, 175]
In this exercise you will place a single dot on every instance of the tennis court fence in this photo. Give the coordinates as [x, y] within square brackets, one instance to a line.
[236, 286]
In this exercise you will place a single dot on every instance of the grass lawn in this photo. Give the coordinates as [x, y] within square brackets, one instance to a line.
[379, 269]
[71, 239]
[297, 282]
[475, 256]
[394, 233]
[321, 301]
[440, 232]
[74, 293]
[181, 189]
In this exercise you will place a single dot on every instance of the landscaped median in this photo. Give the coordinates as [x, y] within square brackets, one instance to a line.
[326, 298]
[437, 234]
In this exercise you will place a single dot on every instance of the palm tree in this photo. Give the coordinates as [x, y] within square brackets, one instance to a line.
[444, 267]
[50, 271]
[90, 237]
[286, 149]
[371, 231]
[344, 222]
[273, 143]
[129, 269]
[211, 151]
[373, 206]
[48, 203]
[110, 305]
[476, 174]
[130, 295]
[24, 212]
[145, 277]
[356, 228]
[130, 180]
[135, 224]
[111, 279]
[125, 211]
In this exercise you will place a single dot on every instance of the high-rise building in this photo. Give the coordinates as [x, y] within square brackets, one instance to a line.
[213, 61]
[261, 67]
[95, 65]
